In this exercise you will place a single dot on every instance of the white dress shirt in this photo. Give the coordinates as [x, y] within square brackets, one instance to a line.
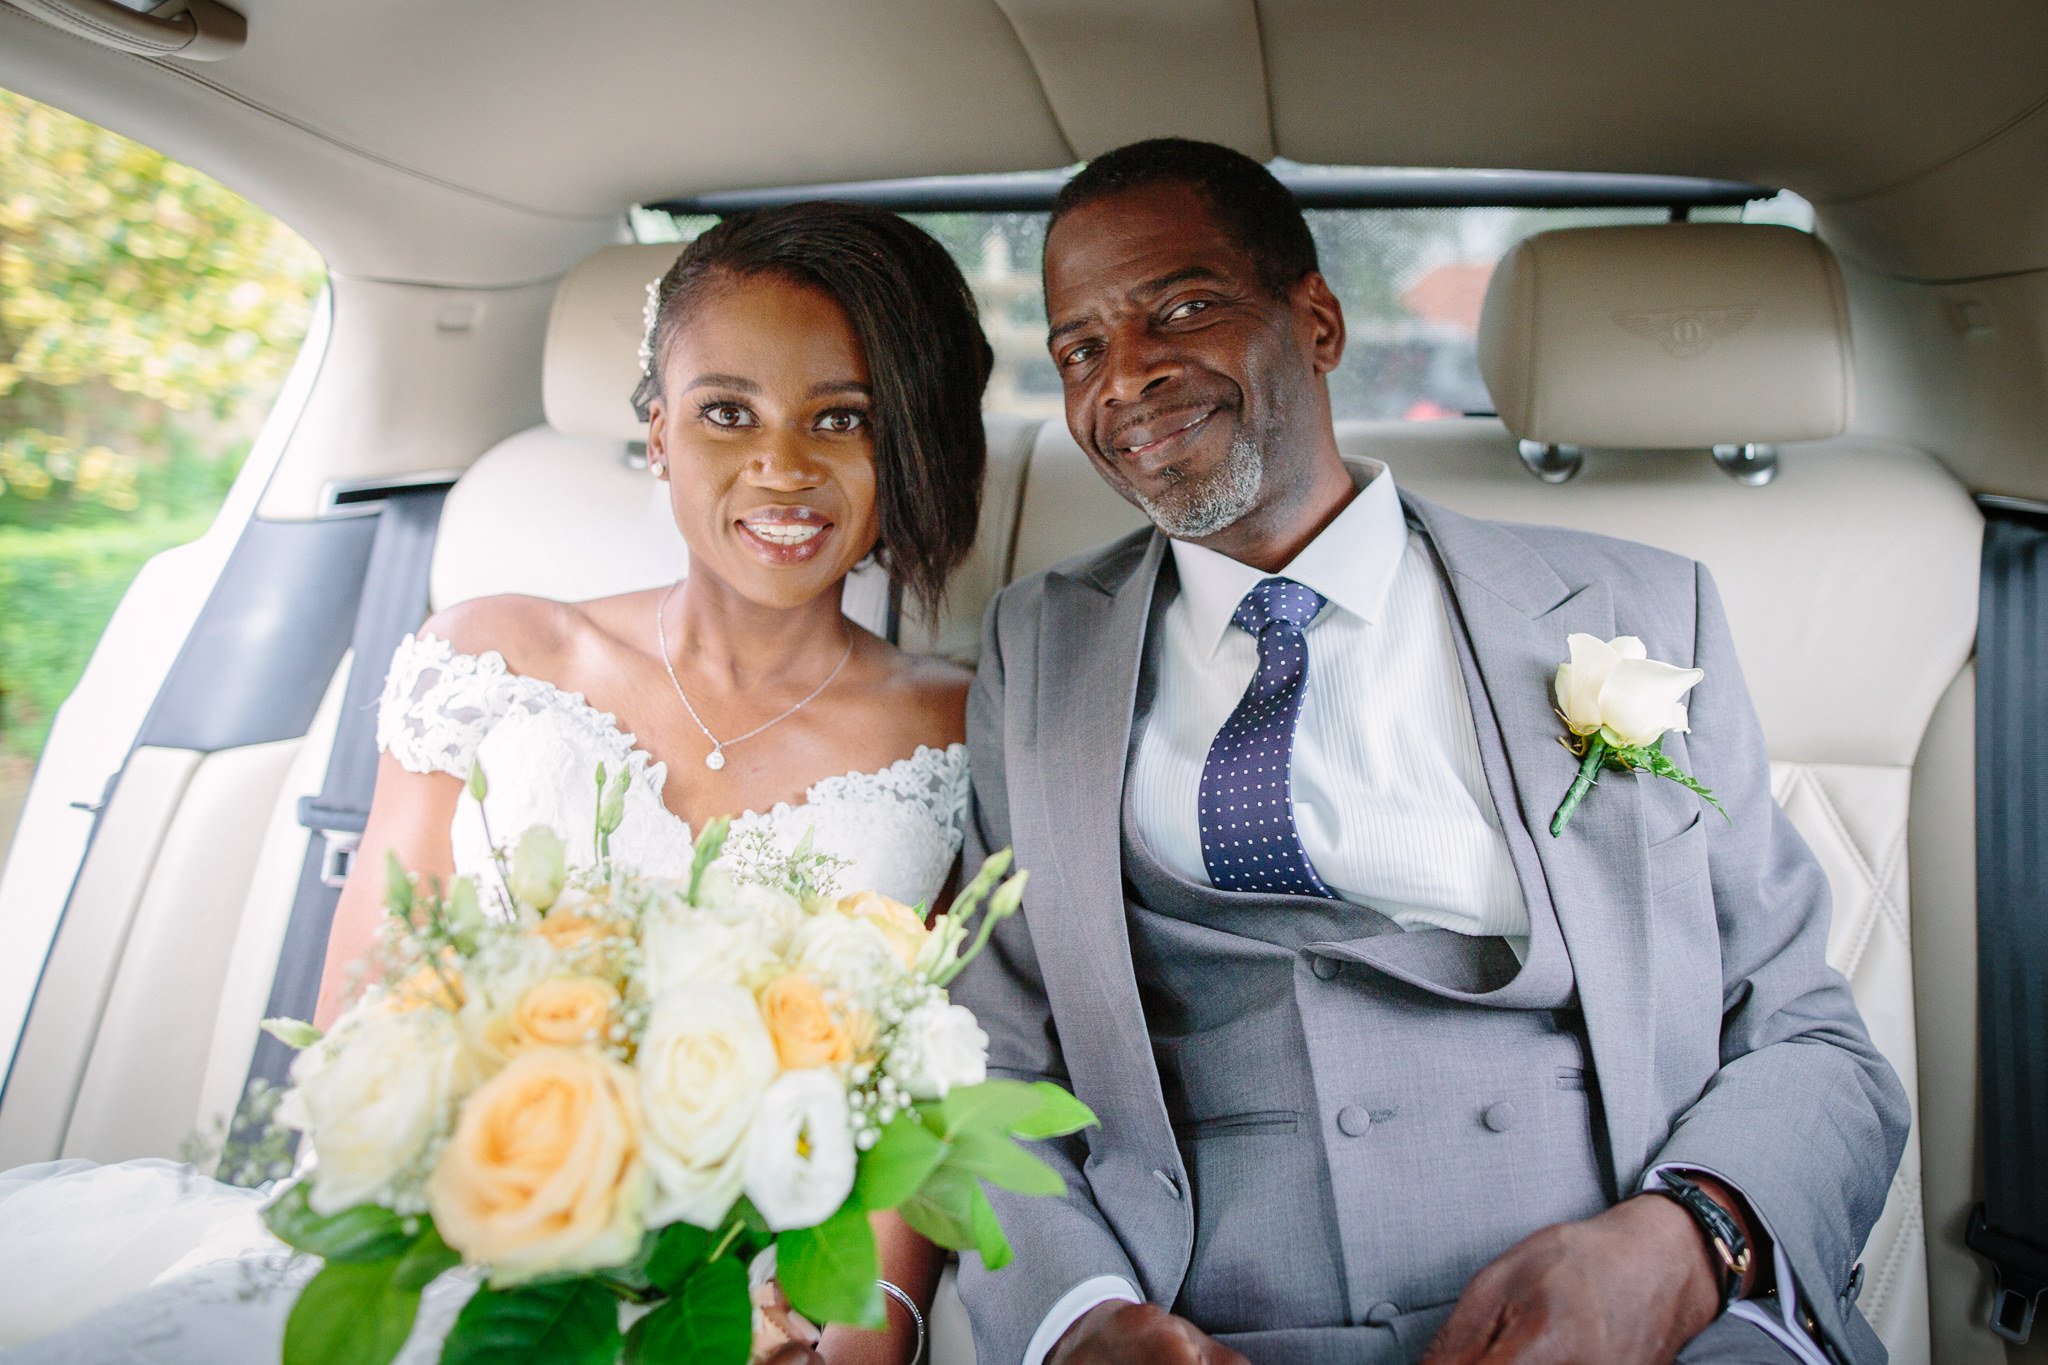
[1389, 792]
[1389, 795]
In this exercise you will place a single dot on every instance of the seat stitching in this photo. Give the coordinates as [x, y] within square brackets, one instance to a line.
[1911, 1226]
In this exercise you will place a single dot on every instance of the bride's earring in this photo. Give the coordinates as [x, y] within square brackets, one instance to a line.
[657, 469]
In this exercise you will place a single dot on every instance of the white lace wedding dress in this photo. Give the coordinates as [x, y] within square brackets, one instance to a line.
[149, 1261]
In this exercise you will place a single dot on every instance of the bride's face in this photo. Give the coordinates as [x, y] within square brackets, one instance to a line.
[763, 430]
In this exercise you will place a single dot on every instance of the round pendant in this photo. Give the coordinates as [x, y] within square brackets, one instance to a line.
[715, 759]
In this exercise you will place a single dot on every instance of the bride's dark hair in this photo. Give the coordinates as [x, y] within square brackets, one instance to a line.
[928, 361]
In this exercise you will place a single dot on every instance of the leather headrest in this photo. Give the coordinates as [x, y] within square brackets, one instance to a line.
[591, 364]
[1668, 337]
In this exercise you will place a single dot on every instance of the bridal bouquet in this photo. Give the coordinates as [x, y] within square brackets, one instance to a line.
[604, 1089]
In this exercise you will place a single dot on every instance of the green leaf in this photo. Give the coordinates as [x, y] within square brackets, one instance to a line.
[295, 1033]
[478, 786]
[1057, 1115]
[897, 1164]
[943, 1208]
[709, 844]
[996, 1158]
[363, 1233]
[988, 1233]
[711, 1323]
[997, 1105]
[566, 1322]
[351, 1313]
[681, 1249]
[829, 1271]
[426, 1260]
[397, 886]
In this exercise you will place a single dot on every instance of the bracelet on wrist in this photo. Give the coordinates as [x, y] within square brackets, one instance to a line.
[897, 1293]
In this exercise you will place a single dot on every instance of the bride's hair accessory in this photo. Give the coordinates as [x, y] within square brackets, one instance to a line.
[650, 317]
[716, 758]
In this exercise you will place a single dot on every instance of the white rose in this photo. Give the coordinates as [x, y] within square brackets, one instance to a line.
[937, 1046]
[799, 1158]
[704, 1064]
[372, 1095]
[847, 955]
[1615, 690]
[685, 947]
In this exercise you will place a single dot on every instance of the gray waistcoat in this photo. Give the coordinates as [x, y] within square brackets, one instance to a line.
[1400, 1106]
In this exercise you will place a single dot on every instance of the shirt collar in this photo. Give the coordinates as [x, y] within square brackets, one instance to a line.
[1351, 562]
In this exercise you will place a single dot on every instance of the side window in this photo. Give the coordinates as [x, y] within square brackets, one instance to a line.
[147, 318]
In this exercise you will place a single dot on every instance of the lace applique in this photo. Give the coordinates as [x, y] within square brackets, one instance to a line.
[932, 782]
[439, 704]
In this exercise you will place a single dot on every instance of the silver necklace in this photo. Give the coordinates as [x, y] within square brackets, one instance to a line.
[716, 758]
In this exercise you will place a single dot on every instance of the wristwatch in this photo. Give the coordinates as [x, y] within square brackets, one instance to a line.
[1727, 1248]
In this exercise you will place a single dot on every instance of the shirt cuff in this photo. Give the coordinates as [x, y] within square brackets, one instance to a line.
[1072, 1304]
[1783, 1326]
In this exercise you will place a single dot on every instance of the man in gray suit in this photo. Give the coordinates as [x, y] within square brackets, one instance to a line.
[1384, 1070]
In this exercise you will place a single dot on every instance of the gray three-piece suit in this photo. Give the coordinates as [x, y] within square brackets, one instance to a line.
[1314, 1126]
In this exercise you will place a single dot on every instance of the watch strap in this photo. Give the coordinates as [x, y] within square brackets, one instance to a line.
[1727, 1248]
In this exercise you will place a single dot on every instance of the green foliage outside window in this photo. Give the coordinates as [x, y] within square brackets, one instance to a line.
[147, 318]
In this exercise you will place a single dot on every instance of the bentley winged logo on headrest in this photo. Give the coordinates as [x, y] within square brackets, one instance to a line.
[1686, 332]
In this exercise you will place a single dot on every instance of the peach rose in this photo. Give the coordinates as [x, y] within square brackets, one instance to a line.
[544, 1171]
[898, 922]
[565, 1010]
[567, 932]
[426, 987]
[806, 1030]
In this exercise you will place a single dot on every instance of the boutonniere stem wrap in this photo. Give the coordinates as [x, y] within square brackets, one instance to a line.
[1618, 704]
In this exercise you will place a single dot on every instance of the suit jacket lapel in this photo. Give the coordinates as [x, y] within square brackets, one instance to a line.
[1089, 653]
[1515, 612]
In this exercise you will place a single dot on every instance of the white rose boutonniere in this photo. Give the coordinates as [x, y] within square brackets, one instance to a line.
[1618, 704]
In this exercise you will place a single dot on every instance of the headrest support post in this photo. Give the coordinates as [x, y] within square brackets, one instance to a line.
[1751, 465]
[1552, 463]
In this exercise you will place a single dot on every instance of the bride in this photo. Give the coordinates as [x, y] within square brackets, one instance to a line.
[812, 389]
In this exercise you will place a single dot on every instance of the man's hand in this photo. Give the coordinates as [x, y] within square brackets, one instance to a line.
[1118, 1333]
[1629, 1287]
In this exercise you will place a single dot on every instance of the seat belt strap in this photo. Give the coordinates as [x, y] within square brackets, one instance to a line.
[393, 602]
[2010, 1228]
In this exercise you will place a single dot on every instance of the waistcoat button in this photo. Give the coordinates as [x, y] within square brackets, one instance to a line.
[1353, 1121]
[1499, 1117]
[1324, 968]
[1171, 1181]
[1380, 1314]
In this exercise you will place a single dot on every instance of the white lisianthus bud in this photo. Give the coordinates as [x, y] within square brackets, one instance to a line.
[799, 1157]
[1613, 689]
[538, 868]
[938, 1046]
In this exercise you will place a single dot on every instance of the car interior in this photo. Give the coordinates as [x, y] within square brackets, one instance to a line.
[1859, 398]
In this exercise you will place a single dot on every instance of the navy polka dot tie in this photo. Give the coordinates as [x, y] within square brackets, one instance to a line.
[1249, 839]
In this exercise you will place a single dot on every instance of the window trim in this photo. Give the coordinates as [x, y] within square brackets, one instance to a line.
[1314, 187]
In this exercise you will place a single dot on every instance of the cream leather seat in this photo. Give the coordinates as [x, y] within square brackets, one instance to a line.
[1850, 579]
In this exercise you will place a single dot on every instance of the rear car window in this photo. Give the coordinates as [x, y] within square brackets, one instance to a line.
[1411, 281]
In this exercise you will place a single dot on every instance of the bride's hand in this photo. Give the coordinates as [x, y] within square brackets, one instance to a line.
[782, 1336]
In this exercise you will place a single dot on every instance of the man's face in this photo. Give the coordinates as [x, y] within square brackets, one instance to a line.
[1193, 389]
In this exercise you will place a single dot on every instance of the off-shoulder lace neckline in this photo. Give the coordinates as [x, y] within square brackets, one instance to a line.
[491, 662]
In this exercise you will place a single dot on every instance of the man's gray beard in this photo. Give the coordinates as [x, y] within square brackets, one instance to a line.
[1194, 509]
